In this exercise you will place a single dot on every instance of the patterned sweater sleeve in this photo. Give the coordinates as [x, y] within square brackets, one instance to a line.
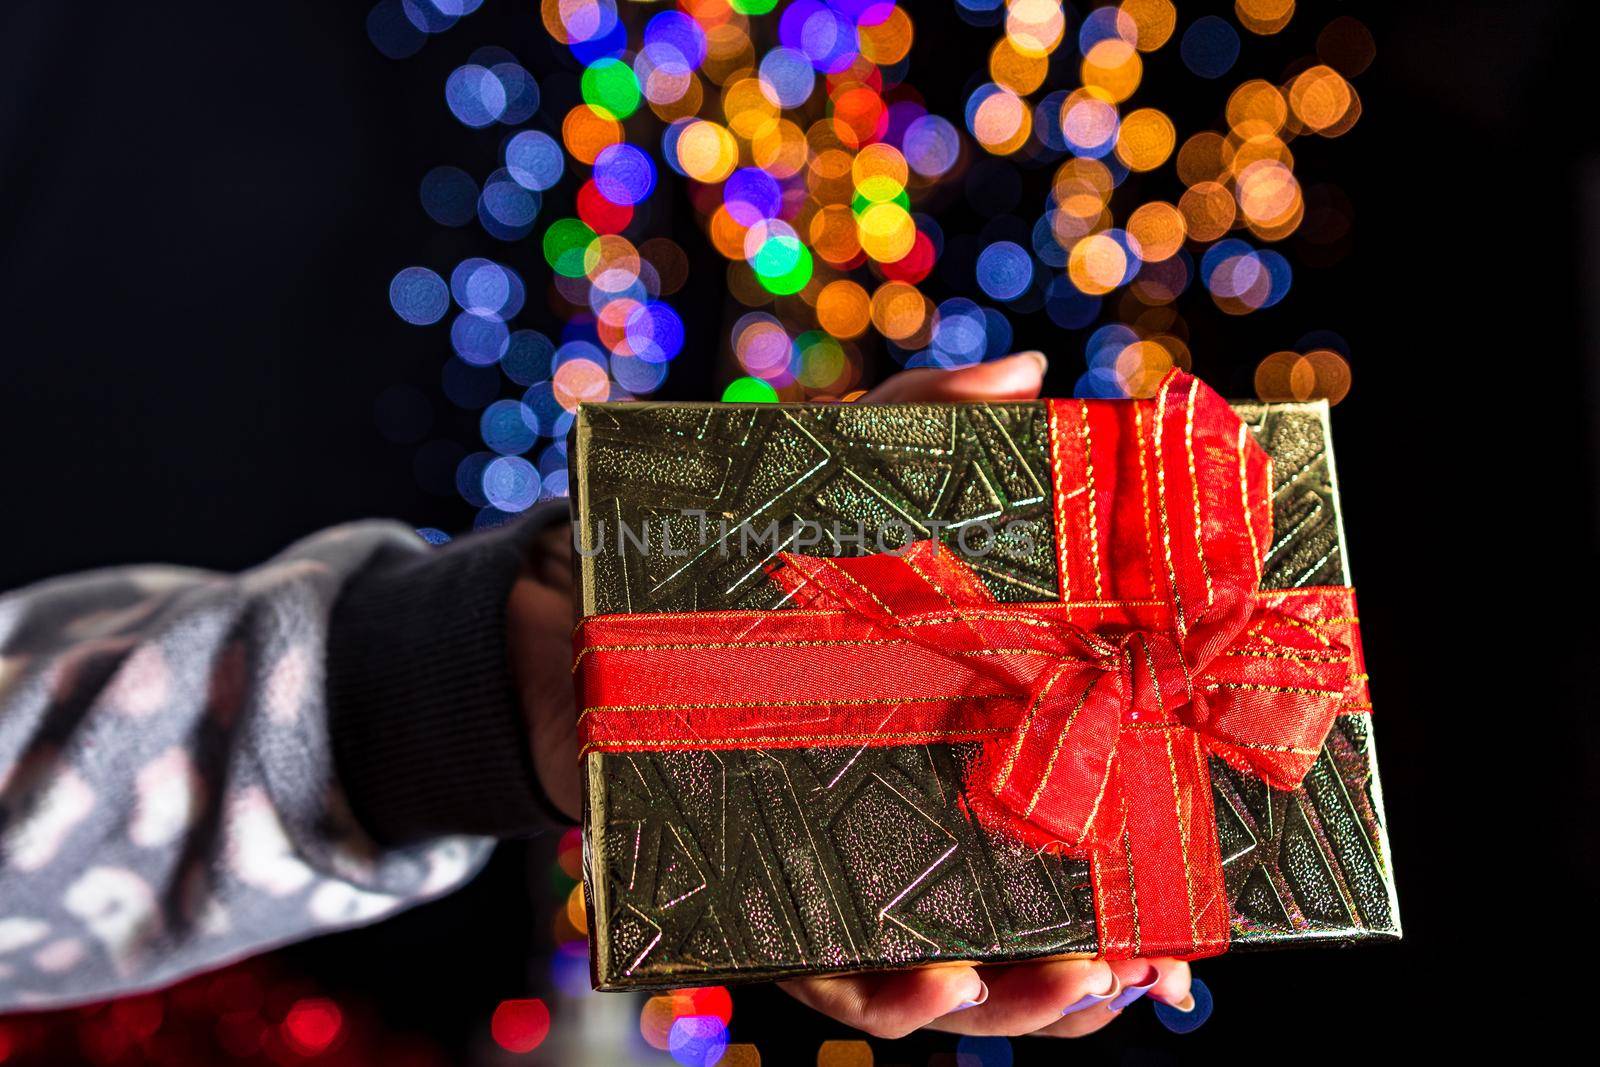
[195, 767]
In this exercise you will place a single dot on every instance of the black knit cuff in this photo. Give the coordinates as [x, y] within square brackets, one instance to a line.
[428, 732]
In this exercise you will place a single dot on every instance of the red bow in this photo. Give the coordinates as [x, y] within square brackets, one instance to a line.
[1096, 713]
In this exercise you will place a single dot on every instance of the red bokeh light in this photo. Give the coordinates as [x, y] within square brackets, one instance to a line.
[312, 1025]
[713, 1000]
[600, 214]
[520, 1025]
[139, 1017]
[917, 263]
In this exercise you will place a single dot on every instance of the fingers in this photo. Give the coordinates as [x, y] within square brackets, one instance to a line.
[1166, 980]
[1016, 377]
[538, 629]
[1025, 998]
[1173, 985]
[1050, 998]
[891, 1005]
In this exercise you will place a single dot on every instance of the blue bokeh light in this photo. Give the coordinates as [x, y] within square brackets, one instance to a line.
[427, 16]
[469, 477]
[534, 160]
[449, 196]
[1106, 344]
[1045, 245]
[596, 31]
[510, 483]
[961, 333]
[1184, 1022]
[527, 358]
[419, 296]
[751, 194]
[505, 429]
[521, 91]
[506, 209]
[679, 31]
[1101, 383]
[479, 338]
[932, 145]
[623, 174]
[1069, 307]
[543, 412]
[1004, 270]
[553, 458]
[392, 33]
[475, 95]
[637, 375]
[555, 485]
[1209, 47]
[985, 1051]
[787, 77]
[655, 332]
[997, 334]
[1105, 24]
[697, 1040]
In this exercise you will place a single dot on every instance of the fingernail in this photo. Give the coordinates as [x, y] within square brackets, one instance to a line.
[1089, 1000]
[1037, 357]
[983, 995]
[1132, 993]
[1188, 1014]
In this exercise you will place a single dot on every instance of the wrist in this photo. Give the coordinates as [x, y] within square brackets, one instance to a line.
[539, 620]
[427, 725]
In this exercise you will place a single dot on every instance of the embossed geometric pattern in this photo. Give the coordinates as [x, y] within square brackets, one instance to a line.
[722, 866]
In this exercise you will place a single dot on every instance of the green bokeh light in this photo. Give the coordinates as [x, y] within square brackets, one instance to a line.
[749, 391]
[792, 280]
[777, 255]
[609, 86]
[567, 246]
[819, 359]
[860, 202]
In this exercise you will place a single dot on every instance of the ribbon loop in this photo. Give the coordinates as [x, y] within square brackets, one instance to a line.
[1052, 777]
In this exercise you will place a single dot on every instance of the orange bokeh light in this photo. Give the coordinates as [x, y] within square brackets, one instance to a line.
[1146, 139]
[898, 310]
[1097, 264]
[1264, 17]
[1159, 229]
[1113, 65]
[1208, 210]
[1319, 97]
[889, 41]
[844, 309]
[1153, 21]
[586, 132]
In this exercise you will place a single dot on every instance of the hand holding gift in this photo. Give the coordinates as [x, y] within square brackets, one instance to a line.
[1141, 731]
[1060, 998]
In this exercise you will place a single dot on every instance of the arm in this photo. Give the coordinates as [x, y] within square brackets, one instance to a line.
[169, 741]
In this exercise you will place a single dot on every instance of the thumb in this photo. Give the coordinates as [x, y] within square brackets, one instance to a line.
[1016, 377]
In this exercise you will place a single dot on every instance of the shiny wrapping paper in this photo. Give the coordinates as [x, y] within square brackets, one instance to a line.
[718, 866]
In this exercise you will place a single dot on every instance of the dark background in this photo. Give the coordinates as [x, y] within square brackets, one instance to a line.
[201, 205]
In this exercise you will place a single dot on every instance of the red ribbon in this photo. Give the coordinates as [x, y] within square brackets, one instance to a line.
[1096, 713]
